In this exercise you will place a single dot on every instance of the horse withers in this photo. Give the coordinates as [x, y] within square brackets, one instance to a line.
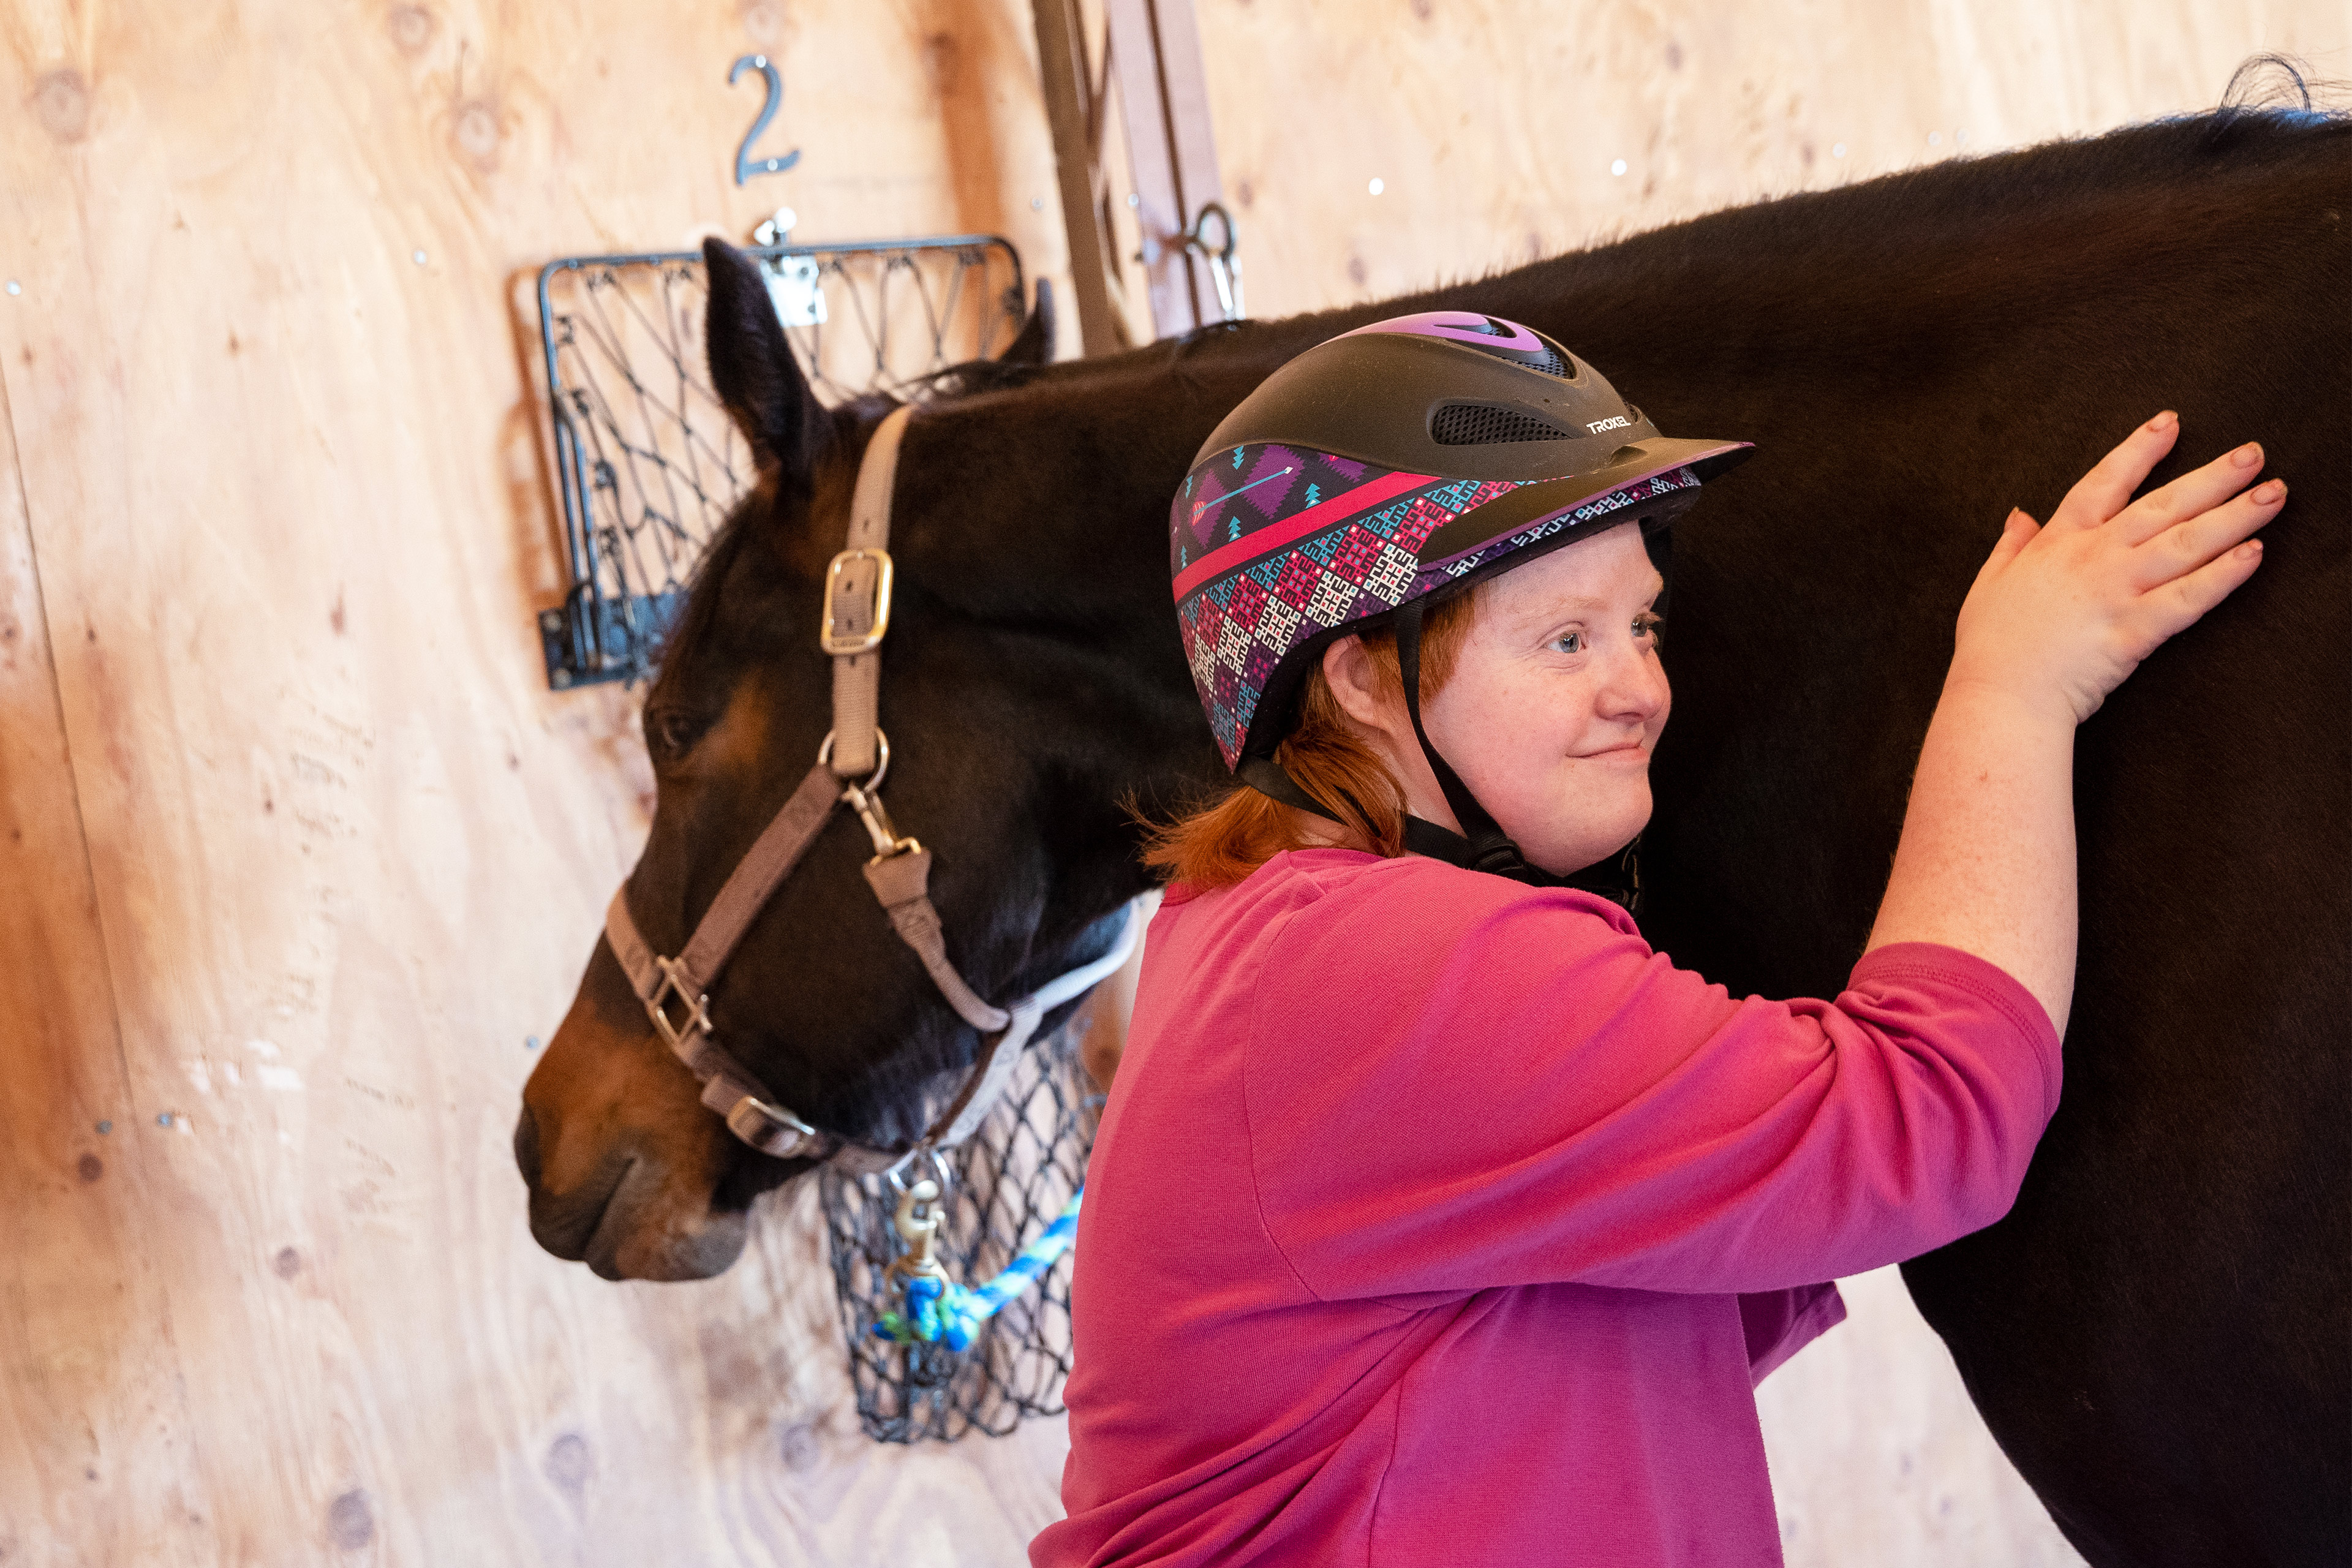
[2156, 1333]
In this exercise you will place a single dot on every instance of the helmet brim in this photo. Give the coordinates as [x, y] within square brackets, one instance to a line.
[1530, 505]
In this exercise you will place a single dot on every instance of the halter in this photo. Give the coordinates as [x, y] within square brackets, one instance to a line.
[675, 991]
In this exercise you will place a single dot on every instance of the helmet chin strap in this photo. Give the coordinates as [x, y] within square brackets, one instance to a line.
[1482, 845]
[1486, 848]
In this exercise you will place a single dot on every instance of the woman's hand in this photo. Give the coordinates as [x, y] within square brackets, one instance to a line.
[2060, 615]
[2057, 619]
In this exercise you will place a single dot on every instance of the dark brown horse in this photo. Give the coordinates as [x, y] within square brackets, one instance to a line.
[2157, 1333]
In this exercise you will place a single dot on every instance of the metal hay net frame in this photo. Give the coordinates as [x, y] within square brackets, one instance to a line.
[1011, 1180]
[647, 464]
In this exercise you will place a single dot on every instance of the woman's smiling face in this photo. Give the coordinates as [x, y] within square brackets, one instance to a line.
[1555, 701]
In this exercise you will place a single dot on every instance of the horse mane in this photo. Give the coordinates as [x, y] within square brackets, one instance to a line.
[2276, 84]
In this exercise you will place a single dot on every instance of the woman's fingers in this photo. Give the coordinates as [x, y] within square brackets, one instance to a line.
[2188, 546]
[2107, 489]
[2017, 530]
[2178, 603]
[2199, 490]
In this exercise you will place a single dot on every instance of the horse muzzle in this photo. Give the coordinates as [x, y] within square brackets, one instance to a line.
[626, 1219]
[628, 1172]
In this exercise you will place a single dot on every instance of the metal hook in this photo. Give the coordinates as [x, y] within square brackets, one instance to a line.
[918, 1225]
[1224, 264]
[865, 800]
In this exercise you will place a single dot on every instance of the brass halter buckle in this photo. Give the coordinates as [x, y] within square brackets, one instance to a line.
[852, 627]
[698, 1003]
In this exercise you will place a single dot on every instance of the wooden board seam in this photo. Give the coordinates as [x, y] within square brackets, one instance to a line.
[65, 732]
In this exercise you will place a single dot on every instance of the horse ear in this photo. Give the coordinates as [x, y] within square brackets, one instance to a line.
[755, 373]
[1036, 343]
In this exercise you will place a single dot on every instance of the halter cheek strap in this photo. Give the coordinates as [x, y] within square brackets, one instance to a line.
[675, 991]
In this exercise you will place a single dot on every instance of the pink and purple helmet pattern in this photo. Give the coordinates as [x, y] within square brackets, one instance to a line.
[1272, 546]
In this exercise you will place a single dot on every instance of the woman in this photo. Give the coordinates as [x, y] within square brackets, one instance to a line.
[1433, 1218]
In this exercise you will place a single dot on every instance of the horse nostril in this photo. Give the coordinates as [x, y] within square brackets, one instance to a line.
[526, 1147]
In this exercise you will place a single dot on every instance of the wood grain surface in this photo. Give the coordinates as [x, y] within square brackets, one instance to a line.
[1494, 127]
[298, 852]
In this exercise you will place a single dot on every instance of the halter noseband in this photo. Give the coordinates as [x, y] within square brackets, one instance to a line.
[675, 991]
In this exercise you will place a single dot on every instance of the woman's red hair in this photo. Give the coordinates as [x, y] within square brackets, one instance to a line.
[1327, 757]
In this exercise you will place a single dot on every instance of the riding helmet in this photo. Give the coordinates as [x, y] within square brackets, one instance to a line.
[1377, 473]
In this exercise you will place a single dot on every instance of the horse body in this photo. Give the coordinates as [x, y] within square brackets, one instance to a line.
[2155, 1333]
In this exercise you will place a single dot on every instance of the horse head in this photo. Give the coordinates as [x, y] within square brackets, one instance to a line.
[1022, 699]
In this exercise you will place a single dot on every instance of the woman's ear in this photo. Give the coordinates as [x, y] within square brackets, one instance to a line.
[1357, 687]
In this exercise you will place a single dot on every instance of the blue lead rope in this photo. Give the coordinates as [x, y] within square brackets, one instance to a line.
[941, 1311]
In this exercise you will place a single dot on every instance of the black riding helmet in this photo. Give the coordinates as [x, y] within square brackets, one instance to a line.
[1377, 473]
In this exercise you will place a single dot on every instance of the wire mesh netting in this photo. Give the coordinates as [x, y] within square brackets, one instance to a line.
[1010, 1180]
[648, 463]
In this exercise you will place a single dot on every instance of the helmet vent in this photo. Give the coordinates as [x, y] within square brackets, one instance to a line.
[1490, 423]
[1549, 362]
[1552, 364]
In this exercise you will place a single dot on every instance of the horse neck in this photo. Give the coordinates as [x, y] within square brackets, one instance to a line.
[1045, 505]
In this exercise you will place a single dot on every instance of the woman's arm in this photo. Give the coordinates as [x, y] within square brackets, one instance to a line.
[2057, 619]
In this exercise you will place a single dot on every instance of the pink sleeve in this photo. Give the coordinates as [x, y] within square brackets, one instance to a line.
[1779, 1324]
[1513, 1089]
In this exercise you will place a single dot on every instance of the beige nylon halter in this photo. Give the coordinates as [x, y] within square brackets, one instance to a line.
[675, 990]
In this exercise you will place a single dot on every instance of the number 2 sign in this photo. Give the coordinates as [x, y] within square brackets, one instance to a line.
[745, 164]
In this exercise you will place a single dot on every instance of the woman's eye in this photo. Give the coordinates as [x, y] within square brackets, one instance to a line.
[1651, 627]
[1569, 642]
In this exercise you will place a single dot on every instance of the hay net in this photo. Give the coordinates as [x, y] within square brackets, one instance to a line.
[646, 463]
[1008, 1181]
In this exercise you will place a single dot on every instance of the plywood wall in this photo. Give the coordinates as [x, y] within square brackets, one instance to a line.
[1498, 129]
[298, 852]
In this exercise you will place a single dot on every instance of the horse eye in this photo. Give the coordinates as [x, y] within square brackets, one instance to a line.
[669, 732]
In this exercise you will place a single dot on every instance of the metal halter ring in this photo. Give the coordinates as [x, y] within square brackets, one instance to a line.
[921, 1151]
[881, 759]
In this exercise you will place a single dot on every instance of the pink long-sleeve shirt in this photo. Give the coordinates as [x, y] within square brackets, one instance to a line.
[1437, 1220]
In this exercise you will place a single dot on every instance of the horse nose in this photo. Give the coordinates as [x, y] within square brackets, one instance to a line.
[526, 1148]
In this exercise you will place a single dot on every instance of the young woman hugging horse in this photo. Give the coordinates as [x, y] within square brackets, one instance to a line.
[1435, 1219]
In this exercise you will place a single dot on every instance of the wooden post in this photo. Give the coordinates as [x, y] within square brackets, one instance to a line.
[1151, 48]
[1073, 101]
